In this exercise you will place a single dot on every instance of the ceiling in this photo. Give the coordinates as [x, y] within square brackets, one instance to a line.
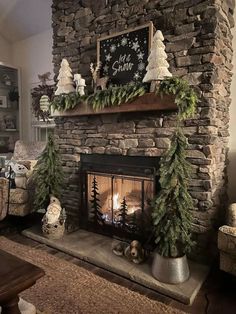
[20, 19]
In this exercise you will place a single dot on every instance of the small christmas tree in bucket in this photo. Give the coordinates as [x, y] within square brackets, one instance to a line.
[157, 68]
[171, 212]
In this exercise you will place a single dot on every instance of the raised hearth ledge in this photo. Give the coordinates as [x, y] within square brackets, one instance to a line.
[147, 102]
[96, 249]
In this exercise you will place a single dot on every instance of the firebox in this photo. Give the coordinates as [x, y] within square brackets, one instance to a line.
[116, 194]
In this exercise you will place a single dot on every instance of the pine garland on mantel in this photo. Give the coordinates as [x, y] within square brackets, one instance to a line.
[185, 97]
[113, 96]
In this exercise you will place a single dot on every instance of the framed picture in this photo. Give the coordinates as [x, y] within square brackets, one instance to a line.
[4, 142]
[123, 56]
[10, 122]
[3, 101]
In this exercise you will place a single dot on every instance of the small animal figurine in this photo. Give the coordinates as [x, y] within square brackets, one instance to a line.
[100, 82]
[119, 248]
[21, 170]
[80, 84]
[44, 78]
[133, 252]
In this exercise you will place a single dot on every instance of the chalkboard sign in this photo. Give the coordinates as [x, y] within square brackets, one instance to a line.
[124, 55]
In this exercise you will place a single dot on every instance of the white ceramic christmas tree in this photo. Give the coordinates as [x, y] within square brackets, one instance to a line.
[157, 68]
[65, 83]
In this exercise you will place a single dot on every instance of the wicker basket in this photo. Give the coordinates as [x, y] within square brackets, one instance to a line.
[53, 231]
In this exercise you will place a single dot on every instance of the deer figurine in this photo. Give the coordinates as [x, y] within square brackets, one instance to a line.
[98, 82]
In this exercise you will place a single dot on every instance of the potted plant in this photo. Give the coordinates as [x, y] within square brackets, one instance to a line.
[13, 94]
[48, 180]
[171, 214]
[48, 175]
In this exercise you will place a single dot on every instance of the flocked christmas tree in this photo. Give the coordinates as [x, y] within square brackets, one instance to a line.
[157, 68]
[65, 83]
[123, 213]
[95, 204]
[48, 175]
[171, 214]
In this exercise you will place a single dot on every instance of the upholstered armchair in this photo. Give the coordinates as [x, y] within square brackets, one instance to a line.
[227, 243]
[20, 199]
[4, 184]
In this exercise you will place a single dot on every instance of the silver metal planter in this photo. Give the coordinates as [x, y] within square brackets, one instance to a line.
[170, 270]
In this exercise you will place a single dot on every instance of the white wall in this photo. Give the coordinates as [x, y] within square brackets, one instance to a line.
[5, 51]
[33, 56]
[232, 129]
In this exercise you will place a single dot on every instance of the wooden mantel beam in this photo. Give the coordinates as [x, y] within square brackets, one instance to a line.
[147, 102]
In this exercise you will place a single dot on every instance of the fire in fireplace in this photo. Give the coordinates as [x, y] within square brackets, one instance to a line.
[116, 194]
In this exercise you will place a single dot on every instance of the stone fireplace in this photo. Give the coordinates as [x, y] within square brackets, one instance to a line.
[199, 46]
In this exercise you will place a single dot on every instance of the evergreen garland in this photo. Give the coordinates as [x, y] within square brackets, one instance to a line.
[95, 204]
[47, 175]
[171, 209]
[67, 101]
[114, 96]
[185, 97]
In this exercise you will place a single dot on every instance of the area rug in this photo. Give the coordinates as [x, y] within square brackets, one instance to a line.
[69, 289]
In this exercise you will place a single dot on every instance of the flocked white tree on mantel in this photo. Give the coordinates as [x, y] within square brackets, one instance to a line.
[65, 83]
[157, 68]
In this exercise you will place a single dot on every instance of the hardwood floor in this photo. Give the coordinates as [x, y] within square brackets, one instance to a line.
[217, 295]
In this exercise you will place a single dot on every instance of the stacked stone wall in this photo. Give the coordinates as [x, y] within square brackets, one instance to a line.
[199, 47]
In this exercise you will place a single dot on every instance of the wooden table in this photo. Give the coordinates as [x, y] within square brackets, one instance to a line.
[16, 275]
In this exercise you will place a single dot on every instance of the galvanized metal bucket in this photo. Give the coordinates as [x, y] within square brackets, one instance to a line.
[170, 270]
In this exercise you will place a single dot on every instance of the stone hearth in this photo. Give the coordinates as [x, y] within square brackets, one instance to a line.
[96, 249]
[199, 46]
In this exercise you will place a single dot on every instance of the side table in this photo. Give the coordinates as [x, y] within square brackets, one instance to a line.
[16, 275]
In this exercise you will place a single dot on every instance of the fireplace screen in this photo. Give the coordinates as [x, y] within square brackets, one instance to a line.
[121, 199]
[116, 194]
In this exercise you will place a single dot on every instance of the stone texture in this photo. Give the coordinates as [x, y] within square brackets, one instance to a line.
[199, 46]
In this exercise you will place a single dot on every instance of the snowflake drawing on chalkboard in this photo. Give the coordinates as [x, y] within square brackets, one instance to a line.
[136, 76]
[135, 46]
[140, 55]
[113, 48]
[105, 68]
[141, 66]
[108, 57]
[124, 41]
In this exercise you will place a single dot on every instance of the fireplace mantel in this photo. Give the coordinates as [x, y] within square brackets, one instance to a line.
[147, 102]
